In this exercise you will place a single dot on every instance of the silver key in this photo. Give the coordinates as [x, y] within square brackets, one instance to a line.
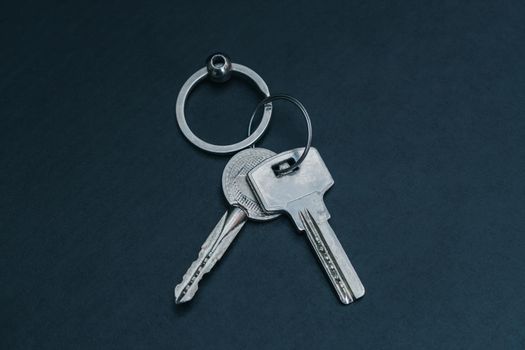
[244, 206]
[300, 195]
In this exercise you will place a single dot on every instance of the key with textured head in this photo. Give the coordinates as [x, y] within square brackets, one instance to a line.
[300, 195]
[243, 206]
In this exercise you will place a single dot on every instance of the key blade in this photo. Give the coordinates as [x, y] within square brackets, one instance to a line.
[211, 251]
[333, 258]
[300, 195]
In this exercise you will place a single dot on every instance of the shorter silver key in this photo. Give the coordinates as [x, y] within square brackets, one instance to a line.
[300, 195]
[244, 206]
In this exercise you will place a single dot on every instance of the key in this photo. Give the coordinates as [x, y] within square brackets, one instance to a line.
[300, 195]
[244, 206]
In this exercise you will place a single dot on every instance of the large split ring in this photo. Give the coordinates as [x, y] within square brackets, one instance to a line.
[219, 68]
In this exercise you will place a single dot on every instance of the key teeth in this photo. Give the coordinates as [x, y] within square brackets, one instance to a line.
[211, 251]
[185, 290]
[324, 254]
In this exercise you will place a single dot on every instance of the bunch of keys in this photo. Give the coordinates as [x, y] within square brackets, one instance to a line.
[260, 185]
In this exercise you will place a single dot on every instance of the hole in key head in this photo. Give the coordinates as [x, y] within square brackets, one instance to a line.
[283, 165]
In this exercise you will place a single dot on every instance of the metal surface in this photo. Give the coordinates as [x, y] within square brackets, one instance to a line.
[300, 195]
[290, 167]
[201, 74]
[211, 251]
[239, 194]
[235, 185]
[219, 68]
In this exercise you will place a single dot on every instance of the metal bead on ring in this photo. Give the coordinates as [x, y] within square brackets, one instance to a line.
[219, 67]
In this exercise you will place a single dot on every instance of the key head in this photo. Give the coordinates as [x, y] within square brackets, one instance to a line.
[302, 189]
[235, 184]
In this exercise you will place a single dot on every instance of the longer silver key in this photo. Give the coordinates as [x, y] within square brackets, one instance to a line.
[244, 206]
[300, 195]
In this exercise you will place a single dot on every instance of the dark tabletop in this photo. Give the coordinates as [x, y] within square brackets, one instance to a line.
[418, 109]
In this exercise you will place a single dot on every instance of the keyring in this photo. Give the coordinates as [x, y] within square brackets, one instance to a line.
[219, 68]
[288, 170]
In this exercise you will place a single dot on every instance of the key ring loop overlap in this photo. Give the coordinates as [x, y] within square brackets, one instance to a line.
[219, 68]
[298, 104]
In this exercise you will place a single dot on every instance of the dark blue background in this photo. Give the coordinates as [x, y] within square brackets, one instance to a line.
[418, 110]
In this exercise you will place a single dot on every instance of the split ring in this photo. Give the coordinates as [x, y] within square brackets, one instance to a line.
[218, 69]
[288, 170]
